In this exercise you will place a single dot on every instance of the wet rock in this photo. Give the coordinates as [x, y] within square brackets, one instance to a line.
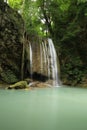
[38, 84]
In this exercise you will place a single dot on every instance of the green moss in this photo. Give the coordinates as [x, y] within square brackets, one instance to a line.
[8, 76]
[19, 85]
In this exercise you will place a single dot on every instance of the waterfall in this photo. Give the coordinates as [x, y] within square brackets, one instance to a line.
[43, 52]
[31, 65]
[44, 62]
[53, 62]
[49, 60]
[41, 58]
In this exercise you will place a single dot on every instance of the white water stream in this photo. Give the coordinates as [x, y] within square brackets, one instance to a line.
[47, 61]
[31, 65]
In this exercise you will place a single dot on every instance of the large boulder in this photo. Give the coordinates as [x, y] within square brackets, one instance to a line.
[19, 85]
[11, 39]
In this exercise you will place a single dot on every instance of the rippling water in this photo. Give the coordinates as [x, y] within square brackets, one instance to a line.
[43, 109]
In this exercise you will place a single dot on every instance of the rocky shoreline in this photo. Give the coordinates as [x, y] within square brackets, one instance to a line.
[25, 85]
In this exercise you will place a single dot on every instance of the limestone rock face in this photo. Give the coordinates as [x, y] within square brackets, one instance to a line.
[36, 61]
[11, 39]
[36, 58]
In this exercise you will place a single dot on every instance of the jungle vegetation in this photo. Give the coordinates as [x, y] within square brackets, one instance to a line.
[65, 21]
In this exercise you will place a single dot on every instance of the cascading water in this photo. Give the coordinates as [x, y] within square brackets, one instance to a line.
[41, 58]
[49, 60]
[31, 65]
[53, 62]
[44, 62]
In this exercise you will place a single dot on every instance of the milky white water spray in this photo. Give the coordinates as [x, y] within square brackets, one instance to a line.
[31, 65]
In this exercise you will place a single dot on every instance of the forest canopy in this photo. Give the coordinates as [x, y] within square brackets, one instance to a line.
[51, 17]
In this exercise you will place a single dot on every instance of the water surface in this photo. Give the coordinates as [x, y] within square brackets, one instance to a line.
[43, 109]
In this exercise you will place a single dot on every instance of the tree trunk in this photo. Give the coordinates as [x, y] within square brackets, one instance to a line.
[47, 22]
[47, 18]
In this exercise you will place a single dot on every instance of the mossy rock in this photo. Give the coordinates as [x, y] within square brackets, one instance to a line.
[19, 85]
[11, 44]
